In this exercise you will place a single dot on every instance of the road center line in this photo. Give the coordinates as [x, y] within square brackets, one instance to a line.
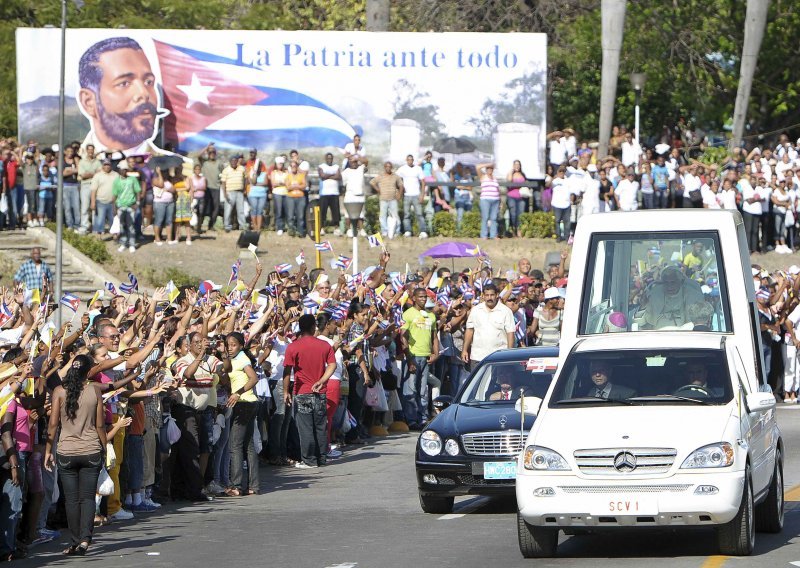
[792, 494]
[476, 504]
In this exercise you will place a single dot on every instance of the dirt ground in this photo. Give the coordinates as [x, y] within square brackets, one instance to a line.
[211, 254]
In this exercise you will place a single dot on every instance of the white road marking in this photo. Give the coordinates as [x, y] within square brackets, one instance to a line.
[468, 507]
[344, 565]
[795, 563]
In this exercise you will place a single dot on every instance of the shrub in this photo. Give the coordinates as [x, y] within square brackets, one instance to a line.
[444, 224]
[470, 225]
[179, 277]
[372, 210]
[539, 225]
[89, 245]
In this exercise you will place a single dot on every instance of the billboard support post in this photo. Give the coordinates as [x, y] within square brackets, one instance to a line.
[60, 156]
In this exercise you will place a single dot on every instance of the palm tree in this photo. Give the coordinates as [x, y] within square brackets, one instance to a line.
[613, 21]
[754, 24]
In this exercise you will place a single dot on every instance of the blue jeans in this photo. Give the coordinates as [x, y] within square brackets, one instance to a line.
[127, 226]
[489, 209]
[415, 392]
[134, 459]
[11, 506]
[72, 206]
[280, 205]
[411, 205]
[661, 198]
[222, 453]
[389, 209]
[462, 206]
[235, 199]
[516, 207]
[163, 214]
[648, 200]
[297, 214]
[310, 413]
[103, 214]
[257, 205]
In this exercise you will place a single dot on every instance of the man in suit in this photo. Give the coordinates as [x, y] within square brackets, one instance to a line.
[600, 373]
[696, 383]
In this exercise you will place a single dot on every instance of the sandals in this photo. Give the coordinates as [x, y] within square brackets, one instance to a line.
[71, 551]
[233, 492]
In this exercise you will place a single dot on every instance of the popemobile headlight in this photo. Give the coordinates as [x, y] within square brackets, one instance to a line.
[451, 447]
[711, 456]
[431, 443]
[543, 459]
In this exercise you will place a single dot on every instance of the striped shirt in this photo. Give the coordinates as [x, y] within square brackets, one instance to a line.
[490, 189]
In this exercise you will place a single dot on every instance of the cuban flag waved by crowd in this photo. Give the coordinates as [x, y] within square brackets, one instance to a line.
[209, 103]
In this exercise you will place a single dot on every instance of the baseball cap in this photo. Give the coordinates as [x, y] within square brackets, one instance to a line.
[123, 165]
[794, 270]
[106, 162]
[280, 160]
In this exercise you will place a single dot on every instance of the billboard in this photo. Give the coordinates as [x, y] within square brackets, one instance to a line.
[141, 90]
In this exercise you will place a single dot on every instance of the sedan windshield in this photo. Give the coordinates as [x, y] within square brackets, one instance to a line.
[504, 382]
[652, 376]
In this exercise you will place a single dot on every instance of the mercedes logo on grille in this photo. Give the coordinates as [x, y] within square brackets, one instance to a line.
[625, 462]
[503, 420]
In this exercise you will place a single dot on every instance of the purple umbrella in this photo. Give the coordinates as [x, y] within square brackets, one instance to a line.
[451, 250]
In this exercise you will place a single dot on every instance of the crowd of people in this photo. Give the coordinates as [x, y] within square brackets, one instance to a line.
[127, 195]
[189, 394]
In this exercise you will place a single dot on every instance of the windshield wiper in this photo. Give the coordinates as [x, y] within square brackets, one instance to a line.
[670, 397]
[591, 399]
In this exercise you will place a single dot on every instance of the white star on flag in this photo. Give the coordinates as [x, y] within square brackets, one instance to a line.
[196, 92]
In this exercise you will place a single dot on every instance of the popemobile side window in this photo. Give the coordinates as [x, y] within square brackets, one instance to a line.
[655, 281]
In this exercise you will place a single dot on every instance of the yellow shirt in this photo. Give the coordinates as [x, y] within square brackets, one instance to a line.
[239, 377]
[690, 260]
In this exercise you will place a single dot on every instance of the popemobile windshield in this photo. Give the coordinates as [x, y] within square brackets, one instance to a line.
[640, 277]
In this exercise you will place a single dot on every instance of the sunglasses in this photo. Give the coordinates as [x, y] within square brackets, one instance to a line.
[114, 337]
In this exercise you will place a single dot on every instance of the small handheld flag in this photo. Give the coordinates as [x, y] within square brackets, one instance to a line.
[300, 258]
[235, 271]
[111, 288]
[172, 291]
[285, 267]
[131, 287]
[324, 246]
[71, 302]
[5, 314]
[253, 248]
[375, 240]
[342, 262]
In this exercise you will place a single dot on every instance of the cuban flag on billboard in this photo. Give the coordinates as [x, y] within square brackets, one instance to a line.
[208, 105]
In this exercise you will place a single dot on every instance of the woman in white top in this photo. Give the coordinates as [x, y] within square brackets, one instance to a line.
[781, 202]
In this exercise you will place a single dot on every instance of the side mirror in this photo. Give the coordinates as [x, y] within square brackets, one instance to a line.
[442, 402]
[532, 405]
[759, 401]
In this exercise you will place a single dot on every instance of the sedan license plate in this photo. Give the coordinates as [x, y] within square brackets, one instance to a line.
[613, 505]
[500, 470]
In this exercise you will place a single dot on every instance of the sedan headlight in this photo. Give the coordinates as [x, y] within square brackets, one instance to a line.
[543, 459]
[431, 443]
[713, 455]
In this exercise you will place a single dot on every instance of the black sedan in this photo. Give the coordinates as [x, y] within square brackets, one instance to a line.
[471, 447]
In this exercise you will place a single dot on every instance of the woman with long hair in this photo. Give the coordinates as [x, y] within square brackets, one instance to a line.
[238, 363]
[77, 409]
[514, 200]
[489, 200]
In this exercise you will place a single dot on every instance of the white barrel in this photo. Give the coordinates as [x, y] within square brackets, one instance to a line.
[404, 140]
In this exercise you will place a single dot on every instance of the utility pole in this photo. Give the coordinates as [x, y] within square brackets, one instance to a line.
[60, 157]
[754, 24]
[613, 23]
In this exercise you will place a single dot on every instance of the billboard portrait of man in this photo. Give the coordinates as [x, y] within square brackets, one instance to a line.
[119, 97]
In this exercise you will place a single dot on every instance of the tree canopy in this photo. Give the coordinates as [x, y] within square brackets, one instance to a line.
[689, 49]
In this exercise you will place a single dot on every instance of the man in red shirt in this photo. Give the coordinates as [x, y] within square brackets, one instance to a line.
[313, 362]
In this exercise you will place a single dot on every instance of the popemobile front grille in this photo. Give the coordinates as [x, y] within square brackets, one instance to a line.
[603, 489]
[503, 443]
[648, 460]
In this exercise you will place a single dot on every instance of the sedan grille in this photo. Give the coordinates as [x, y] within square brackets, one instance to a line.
[647, 460]
[675, 488]
[504, 443]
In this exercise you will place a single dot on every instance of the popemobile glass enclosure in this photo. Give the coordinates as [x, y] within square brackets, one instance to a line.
[663, 271]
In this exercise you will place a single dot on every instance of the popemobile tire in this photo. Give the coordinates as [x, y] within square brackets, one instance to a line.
[737, 538]
[769, 514]
[436, 505]
[536, 542]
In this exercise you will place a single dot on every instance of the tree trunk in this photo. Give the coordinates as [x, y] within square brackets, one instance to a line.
[754, 25]
[378, 15]
[613, 20]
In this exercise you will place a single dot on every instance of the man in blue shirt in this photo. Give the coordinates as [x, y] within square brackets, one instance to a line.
[34, 272]
[660, 174]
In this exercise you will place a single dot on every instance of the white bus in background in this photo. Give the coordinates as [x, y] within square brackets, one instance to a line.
[659, 414]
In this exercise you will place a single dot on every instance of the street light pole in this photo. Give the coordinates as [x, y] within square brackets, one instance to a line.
[60, 157]
[637, 82]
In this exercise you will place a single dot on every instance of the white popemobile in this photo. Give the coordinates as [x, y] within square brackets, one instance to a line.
[659, 414]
